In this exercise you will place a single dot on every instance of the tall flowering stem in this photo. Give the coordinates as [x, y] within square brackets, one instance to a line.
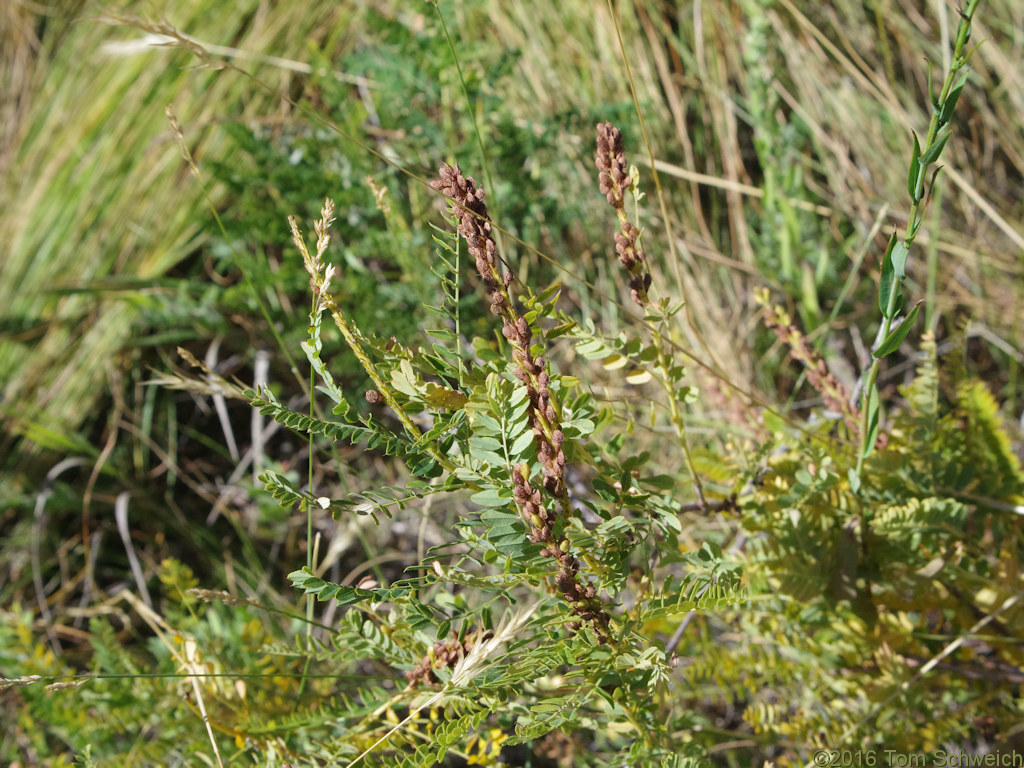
[894, 262]
[615, 182]
[470, 211]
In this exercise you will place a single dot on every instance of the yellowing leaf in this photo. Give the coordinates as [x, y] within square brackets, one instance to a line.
[442, 397]
[638, 376]
[615, 362]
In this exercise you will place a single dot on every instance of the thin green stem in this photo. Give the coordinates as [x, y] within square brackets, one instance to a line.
[371, 370]
[310, 598]
[676, 416]
[930, 318]
[386, 392]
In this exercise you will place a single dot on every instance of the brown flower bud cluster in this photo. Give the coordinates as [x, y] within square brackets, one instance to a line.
[582, 598]
[531, 502]
[832, 392]
[614, 181]
[446, 654]
[549, 450]
[473, 224]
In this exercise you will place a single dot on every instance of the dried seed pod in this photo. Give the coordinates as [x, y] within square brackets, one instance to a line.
[544, 454]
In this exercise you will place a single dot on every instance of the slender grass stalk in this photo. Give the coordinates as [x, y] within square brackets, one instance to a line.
[310, 445]
[321, 275]
[186, 154]
[485, 160]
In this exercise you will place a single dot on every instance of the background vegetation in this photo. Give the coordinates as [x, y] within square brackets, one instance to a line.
[781, 133]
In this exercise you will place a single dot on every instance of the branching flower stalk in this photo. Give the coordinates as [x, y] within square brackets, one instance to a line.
[320, 276]
[473, 223]
[615, 182]
[895, 259]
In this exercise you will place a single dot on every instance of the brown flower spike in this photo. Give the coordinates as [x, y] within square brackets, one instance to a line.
[614, 182]
[474, 225]
[832, 392]
[467, 202]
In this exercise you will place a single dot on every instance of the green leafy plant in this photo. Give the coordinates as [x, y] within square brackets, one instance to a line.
[503, 426]
[589, 563]
[865, 547]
